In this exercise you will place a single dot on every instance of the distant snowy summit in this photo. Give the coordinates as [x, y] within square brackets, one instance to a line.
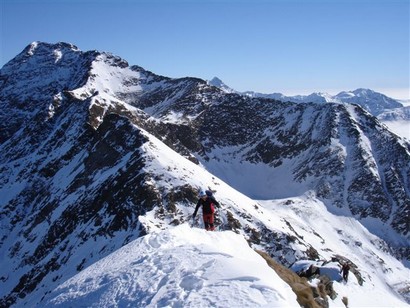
[374, 102]
[216, 82]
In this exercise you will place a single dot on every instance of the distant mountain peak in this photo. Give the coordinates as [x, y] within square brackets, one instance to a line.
[374, 102]
[216, 82]
[363, 91]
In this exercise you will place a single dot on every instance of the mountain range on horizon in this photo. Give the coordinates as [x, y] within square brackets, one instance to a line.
[392, 112]
[102, 161]
[374, 102]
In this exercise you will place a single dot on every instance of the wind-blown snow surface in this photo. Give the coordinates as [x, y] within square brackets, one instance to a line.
[189, 267]
[179, 267]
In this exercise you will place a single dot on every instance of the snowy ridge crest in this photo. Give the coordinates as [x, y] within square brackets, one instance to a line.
[198, 264]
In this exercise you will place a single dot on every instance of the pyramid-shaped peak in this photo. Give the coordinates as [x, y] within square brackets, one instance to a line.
[216, 82]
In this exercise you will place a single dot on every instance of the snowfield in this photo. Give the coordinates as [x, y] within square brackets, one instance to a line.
[178, 267]
[190, 267]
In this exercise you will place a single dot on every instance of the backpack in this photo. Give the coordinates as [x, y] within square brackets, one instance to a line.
[208, 206]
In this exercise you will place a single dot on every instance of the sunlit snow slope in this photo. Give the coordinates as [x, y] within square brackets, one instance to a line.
[179, 267]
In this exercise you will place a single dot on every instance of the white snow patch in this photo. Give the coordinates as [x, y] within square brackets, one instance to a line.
[179, 267]
[58, 55]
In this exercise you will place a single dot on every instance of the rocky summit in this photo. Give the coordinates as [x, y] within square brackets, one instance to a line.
[96, 153]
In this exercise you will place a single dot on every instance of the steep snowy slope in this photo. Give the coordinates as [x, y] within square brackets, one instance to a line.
[188, 267]
[179, 267]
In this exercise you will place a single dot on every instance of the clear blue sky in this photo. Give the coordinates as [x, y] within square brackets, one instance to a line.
[292, 47]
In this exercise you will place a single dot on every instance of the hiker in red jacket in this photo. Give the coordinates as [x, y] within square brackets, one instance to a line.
[208, 203]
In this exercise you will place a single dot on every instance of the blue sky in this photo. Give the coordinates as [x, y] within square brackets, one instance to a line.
[292, 47]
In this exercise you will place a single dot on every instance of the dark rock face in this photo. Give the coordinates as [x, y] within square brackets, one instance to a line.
[104, 194]
[74, 169]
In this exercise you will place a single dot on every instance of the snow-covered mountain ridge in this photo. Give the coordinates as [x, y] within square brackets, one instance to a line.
[372, 101]
[391, 112]
[96, 153]
[200, 270]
